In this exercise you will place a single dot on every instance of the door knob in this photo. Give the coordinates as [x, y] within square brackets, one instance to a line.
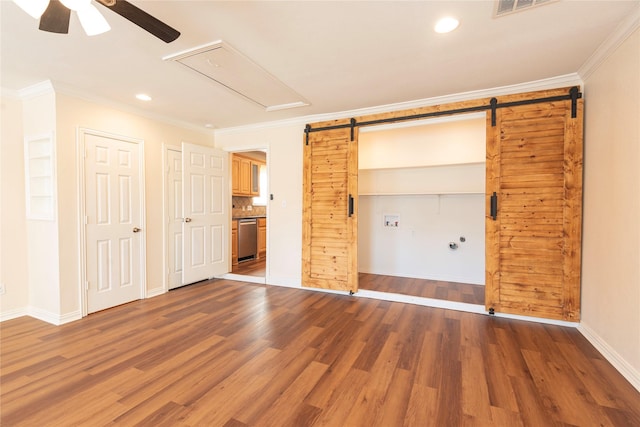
[136, 229]
[187, 220]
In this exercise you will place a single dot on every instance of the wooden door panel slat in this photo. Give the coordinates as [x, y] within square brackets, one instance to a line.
[329, 233]
[534, 164]
[526, 266]
[526, 243]
[542, 145]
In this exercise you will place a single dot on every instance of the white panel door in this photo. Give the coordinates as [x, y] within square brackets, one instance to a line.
[205, 227]
[113, 221]
[174, 217]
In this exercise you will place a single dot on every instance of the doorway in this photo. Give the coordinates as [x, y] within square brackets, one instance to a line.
[249, 200]
[421, 208]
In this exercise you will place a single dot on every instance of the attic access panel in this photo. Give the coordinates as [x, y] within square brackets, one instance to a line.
[223, 64]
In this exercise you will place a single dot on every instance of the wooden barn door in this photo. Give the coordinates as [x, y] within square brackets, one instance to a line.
[329, 233]
[534, 166]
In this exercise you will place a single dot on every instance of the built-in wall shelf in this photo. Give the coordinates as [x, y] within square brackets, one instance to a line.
[465, 178]
[39, 177]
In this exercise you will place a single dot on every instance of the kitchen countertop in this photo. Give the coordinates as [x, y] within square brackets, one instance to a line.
[247, 217]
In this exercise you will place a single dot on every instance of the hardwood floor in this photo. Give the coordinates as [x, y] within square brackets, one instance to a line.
[257, 268]
[226, 353]
[450, 291]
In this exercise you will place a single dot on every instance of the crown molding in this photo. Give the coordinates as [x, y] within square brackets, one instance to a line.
[47, 87]
[572, 79]
[70, 91]
[43, 88]
[627, 27]
[9, 93]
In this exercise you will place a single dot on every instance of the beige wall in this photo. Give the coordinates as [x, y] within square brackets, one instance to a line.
[458, 139]
[611, 239]
[39, 118]
[74, 113]
[13, 225]
[46, 253]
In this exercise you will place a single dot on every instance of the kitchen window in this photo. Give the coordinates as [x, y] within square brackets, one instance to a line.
[261, 200]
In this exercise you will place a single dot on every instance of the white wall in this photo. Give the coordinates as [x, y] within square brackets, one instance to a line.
[284, 212]
[433, 177]
[452, 140]
[419, 246]
[611, 236]
[14, 273]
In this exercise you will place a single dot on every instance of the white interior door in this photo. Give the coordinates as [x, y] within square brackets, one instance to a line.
[174, 217]
[113, 238]
[205, 228]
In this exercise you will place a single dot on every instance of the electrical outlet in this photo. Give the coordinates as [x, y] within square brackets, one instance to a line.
[2, 289]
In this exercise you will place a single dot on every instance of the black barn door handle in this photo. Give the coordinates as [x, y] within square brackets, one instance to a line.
[494, 206]
[350, 205]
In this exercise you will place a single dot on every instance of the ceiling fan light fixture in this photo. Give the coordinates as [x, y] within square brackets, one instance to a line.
[92, 21]
[35, 8]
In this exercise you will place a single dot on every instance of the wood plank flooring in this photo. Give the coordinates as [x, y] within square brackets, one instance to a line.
[224, 353]
[257, 268]
[436, 289]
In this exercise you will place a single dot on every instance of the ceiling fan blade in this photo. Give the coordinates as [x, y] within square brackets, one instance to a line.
[55, 18]
[92, 21]
[142, 19]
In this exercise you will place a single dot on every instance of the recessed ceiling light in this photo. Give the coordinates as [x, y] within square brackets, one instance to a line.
[446, 25]
[209, 126]
[143, 97]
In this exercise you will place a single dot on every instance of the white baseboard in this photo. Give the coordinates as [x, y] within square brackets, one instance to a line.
[13, 314]
[155, 292]
[242, 278]
[45, 316]
[626, 370]
[53, 318]
[287, 282]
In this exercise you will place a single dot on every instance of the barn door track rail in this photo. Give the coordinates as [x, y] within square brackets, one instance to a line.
[573, 95]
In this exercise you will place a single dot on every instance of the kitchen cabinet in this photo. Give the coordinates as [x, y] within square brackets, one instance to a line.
[255, 178]
[234, 242]
[245, 176]
[235, 175]
[262, 238]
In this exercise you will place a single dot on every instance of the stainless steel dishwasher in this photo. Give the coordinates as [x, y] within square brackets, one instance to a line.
[247, 239]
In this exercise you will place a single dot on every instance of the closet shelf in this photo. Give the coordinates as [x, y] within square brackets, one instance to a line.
[443, 165]
[423, 193]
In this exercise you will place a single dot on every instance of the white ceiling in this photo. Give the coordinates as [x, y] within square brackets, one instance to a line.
[339, 55]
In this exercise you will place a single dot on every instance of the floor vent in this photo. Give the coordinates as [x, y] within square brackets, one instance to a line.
[505, 7]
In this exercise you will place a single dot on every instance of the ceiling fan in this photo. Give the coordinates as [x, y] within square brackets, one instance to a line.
[55, 14]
